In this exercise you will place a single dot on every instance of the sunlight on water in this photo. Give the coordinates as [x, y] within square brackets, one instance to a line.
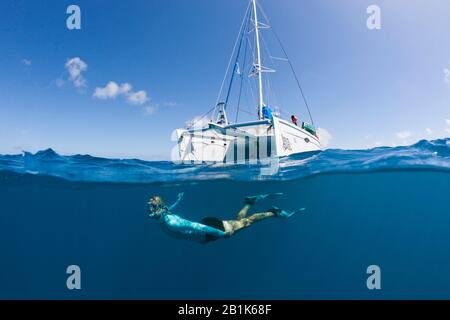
[424, 154]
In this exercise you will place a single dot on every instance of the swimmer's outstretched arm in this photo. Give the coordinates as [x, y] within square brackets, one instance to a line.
[179, 197]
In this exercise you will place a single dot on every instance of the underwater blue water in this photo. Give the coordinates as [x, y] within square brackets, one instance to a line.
[386, 206]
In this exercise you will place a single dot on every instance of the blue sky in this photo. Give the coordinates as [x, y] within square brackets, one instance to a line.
[366, 87]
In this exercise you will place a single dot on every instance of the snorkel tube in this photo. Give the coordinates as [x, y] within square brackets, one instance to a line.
[152, 210]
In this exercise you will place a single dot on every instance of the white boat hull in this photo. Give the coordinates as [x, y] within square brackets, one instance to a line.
[246, 142]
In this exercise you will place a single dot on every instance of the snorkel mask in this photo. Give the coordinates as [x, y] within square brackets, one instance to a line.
[154, 207]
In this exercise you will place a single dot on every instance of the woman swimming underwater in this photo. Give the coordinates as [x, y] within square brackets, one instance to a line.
[210, 228]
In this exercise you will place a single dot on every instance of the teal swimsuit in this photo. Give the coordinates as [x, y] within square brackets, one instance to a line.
[180, 228]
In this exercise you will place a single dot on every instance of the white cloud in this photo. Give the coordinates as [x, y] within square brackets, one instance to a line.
[138, 98]
[76, 67]
[325, 137]
[447, 121]
[447, 75]
[112, 90]
[27, 62]
[428, 131]
[447, 130]
[125, 88]
[150, 110]
[403, 134]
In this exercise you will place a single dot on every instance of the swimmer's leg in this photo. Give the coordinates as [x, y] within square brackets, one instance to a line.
[251, 200]
[260, 216]
[232, 226]
[284, 214]
[241, 215]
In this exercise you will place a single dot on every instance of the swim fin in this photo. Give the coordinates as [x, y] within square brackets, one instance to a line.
[254, 199]
[284, 214]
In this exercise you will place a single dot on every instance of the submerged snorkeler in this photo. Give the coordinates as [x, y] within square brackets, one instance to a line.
[210, 228]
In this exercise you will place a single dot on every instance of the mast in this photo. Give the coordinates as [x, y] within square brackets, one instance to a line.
[258, 62]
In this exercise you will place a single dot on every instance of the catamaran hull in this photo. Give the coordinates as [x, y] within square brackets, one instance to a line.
[245, 142]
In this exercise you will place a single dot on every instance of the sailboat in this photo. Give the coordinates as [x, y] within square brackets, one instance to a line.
[266, 136]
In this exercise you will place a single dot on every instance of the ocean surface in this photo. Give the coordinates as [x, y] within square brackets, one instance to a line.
[388, 207]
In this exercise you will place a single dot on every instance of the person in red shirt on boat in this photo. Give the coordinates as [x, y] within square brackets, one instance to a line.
[294, 119]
